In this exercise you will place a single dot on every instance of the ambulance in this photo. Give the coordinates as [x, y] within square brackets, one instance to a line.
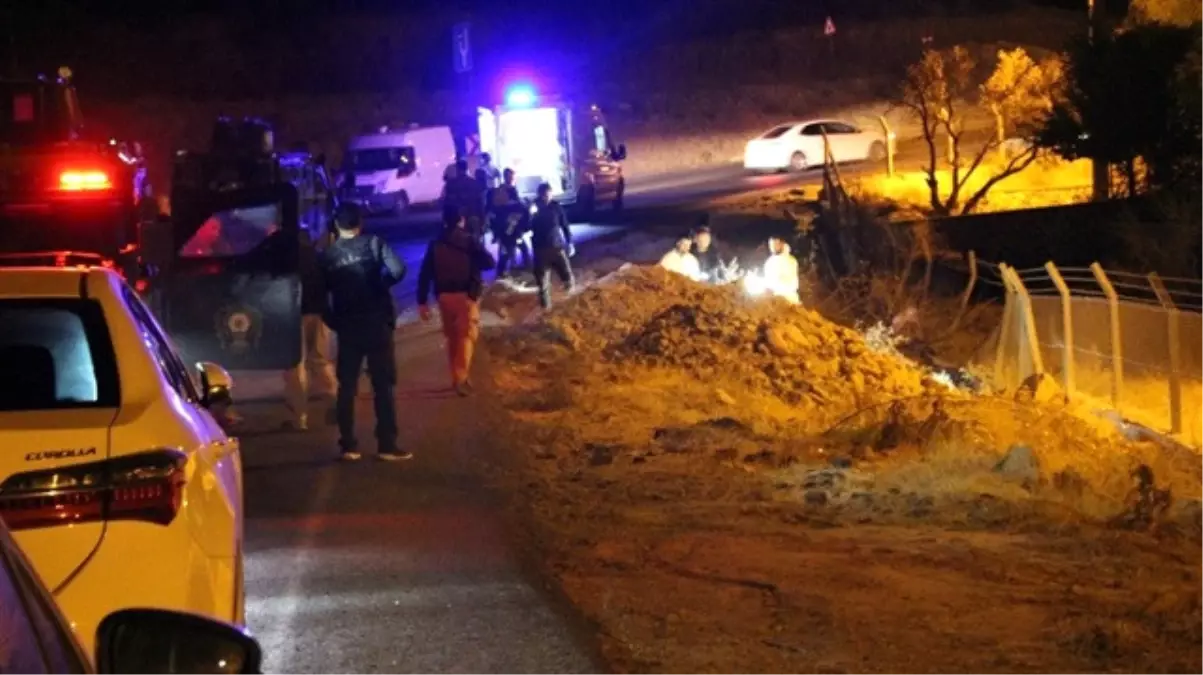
[550, 140]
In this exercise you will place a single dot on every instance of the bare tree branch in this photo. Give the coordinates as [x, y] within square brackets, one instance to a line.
[1017, 164]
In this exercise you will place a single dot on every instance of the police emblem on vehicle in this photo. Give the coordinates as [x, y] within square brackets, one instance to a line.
[239, 329]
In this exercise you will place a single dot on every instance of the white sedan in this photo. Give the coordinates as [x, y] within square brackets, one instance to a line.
[797, 146]
[115, 478]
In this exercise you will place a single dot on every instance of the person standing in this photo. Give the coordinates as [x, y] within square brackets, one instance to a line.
[452, 268]
[551, 240]
[714, 269]
[465, 194]
[316, 366]
[681, 261]
[507, 217]
[358, 273]
[486, 173]
[781, 271]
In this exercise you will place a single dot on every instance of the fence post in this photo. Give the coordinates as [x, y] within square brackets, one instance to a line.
[956, 322]
[1067, 328]
[1172, 321]
[1004, 331]
[1029, 323]
[890, 144]
[1117, 349]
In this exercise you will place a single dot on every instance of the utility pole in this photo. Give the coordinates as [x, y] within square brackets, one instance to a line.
[1100, 171]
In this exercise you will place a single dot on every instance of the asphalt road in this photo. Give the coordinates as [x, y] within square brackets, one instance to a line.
[409, 567]
[392, 567]
[646, 199]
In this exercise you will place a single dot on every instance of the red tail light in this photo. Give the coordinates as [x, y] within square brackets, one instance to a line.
[84, 180]
[148, 486]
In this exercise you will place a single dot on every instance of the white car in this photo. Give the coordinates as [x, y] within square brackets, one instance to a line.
[797, 146]
[115, 479]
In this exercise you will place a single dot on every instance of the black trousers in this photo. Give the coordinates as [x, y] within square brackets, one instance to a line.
[508, 249]
[370, 341]
[548, 260]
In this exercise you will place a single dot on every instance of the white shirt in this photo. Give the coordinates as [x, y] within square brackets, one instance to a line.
[781, 276]
[682, 263]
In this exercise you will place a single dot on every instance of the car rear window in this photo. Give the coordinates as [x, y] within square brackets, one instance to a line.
[55, 354]
[777, 132]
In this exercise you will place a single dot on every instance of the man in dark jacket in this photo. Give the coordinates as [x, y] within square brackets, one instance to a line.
[452, 267]
[467, 195]
[316, 366]
[507, 219]
[358, 272]
[710, 260]
[551, 240]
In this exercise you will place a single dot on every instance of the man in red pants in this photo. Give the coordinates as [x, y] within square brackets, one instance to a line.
[452, 267]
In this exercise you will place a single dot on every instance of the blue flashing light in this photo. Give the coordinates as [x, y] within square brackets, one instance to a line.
[520, 96]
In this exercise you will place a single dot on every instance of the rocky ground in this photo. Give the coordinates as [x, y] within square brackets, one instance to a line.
[721, 483]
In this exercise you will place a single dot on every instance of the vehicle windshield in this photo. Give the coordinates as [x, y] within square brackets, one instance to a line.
[777, 132]
[233, 232]
[31, 113]
[55, 354]
[381, 159]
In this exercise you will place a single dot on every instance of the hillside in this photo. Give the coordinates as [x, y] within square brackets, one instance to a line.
[675, 104]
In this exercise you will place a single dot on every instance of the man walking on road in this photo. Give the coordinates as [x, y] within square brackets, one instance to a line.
[551, 240]
[467, 195]
[452, 267]
[316, 366]
[358, 271]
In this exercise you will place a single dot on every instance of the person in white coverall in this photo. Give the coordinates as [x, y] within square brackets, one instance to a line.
[682, 261]
[781, 271]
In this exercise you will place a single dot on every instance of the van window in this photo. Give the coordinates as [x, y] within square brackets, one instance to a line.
[382, 159]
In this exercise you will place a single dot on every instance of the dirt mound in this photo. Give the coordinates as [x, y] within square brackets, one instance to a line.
[659, 319]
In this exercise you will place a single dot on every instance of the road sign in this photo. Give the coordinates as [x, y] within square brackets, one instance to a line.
[461, 47]
[829, 27]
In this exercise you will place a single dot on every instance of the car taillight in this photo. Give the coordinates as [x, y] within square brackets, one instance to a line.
[84, 180]
[148, 486]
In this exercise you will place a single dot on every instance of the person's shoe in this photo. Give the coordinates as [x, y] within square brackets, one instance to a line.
[463, 389]
[351, 456]
[298, 423]
[395, 456]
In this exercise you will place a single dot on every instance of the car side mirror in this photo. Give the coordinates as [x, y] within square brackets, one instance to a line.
[620, 153]
[161, 641]
[216, 384]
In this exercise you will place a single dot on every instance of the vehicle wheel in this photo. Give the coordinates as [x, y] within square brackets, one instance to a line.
[877, 151]
[797, 162]
[619, 194]
[586, 201]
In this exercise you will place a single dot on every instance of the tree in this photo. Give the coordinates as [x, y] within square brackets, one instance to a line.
[940, 91]
[1181, 13]
[1132, 96]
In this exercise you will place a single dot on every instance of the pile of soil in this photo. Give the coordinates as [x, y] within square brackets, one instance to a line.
[652, 317]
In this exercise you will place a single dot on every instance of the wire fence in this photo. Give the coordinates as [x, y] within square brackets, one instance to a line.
[1129, 341]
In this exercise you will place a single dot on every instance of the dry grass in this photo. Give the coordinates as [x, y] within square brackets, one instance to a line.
[1049, 182]
[701, 523]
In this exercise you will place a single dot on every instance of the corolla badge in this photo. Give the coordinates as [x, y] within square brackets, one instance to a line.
[65, 453]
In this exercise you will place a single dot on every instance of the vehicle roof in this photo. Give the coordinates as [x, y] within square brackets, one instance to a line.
[51, 282]
[395, 137]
